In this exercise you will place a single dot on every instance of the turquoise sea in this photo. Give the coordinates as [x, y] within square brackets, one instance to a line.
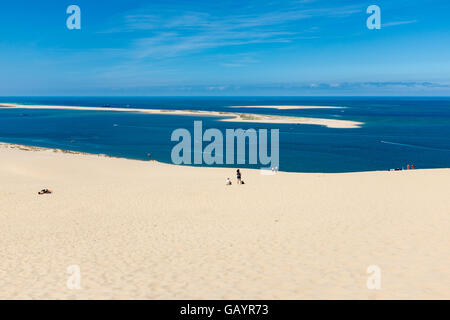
[397, 131]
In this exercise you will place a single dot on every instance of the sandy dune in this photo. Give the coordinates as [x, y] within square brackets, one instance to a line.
[228, 116]
[155, 231]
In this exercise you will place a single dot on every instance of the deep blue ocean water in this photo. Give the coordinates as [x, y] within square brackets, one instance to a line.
[397, 131]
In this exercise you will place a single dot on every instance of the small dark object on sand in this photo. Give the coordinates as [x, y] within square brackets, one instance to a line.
[45, 191]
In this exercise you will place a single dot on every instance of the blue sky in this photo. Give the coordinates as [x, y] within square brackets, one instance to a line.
[290, 47]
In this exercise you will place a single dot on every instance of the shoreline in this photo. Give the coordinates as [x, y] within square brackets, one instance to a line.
[234, 117]
[25, 147]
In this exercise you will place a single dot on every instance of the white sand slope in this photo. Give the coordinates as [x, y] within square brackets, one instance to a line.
[147, 230]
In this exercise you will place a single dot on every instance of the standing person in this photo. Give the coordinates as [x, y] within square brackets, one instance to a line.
[238, 176]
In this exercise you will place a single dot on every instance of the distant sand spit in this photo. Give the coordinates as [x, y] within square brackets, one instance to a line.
[233, 117]
[288, 107]
[147, 230]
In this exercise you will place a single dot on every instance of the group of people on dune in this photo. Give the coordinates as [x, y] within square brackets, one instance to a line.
[238, 178]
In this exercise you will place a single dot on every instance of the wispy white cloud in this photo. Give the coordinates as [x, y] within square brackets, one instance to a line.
[173, 33]
[398, 23]
[171, 44]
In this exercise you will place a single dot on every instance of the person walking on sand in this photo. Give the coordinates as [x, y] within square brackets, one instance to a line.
[238, 176]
